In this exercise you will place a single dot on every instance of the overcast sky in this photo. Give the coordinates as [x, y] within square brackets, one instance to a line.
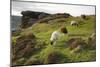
[74, 10]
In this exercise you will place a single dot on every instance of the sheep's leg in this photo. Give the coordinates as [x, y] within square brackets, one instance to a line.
[51, 42]
[77, 25]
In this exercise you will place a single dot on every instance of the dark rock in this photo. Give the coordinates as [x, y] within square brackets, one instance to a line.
[43, 15]
[54, 17]
[30, 14]
[30, 17]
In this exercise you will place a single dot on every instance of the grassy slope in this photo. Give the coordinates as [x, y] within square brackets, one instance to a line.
[43, 32]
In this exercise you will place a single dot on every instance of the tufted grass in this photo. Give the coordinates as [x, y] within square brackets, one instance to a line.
[43, 32]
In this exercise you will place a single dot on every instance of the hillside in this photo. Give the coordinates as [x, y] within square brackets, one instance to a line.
[32, 44]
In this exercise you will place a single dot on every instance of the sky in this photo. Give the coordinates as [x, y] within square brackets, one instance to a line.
[74, 10]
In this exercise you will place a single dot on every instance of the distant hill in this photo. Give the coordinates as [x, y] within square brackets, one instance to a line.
[15, 22]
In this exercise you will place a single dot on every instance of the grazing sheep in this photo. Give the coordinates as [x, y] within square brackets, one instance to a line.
[74, 23]
[56, 34]
[83, 17]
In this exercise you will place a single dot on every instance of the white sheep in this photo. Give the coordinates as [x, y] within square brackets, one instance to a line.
[74, 23]
[56, 34]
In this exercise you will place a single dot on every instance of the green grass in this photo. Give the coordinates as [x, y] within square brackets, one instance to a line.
[43, 32]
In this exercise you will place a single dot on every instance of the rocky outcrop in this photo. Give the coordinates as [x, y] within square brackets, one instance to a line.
[54, 17]
[30, 17]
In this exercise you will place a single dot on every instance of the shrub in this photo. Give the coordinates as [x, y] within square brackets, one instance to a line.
[53, 57]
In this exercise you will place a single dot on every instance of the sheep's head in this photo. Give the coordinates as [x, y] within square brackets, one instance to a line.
[64, 30]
